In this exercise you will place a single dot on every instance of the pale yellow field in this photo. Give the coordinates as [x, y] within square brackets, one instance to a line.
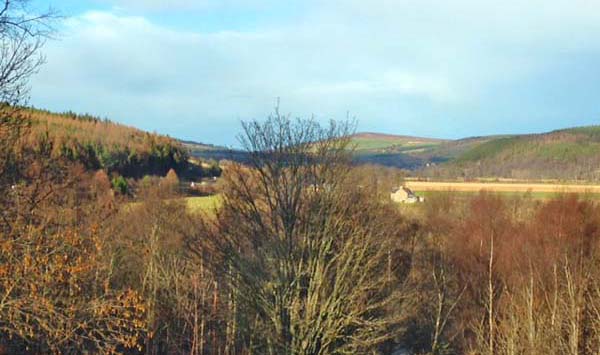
[203, 204]
[501, 187]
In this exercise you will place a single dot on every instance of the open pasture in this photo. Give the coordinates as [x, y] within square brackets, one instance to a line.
[203, 204]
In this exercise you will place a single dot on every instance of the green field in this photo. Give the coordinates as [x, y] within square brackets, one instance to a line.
[203, 204]
[377, 142]
[194, 204]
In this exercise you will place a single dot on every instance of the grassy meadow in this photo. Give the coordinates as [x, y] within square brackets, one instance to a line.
[203, 203]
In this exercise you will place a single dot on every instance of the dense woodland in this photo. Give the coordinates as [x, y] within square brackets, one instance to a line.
[305, 254]
[101, 144]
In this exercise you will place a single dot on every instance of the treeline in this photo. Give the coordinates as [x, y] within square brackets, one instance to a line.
[101, 144]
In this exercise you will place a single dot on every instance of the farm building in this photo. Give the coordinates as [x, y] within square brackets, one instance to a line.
[405, 195]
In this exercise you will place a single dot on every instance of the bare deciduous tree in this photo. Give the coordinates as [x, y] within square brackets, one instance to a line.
[22, 34]
[306, 250]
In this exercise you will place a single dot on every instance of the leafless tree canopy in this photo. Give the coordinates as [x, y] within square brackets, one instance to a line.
[306, 249]
[22, 34]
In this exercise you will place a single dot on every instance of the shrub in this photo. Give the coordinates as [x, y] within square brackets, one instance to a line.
[120, 185]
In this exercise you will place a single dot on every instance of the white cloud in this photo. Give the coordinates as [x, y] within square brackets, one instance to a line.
[178, 5]
[156, 5]
[160, 4]
[392, 82]
[392, 63]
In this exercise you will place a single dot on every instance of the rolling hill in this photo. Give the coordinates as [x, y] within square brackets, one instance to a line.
[407, 152]
[392, 150]
[568, 154]
[373, 148]
[369, 141]
[562, 154]
[102, 144]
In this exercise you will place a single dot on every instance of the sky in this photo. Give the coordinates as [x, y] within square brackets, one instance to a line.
[433, 68]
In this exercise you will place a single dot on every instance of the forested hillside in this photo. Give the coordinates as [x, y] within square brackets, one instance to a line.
[572, 154]
[101, 144]
[569, 154]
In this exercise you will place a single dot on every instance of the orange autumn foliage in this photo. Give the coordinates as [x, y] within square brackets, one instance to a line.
[102, 144]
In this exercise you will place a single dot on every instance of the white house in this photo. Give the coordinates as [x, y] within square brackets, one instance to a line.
[405, 195]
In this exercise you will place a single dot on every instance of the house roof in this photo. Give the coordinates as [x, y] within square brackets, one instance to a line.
[405, 189]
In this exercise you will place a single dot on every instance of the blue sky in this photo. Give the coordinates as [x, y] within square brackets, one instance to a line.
[438, 68]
